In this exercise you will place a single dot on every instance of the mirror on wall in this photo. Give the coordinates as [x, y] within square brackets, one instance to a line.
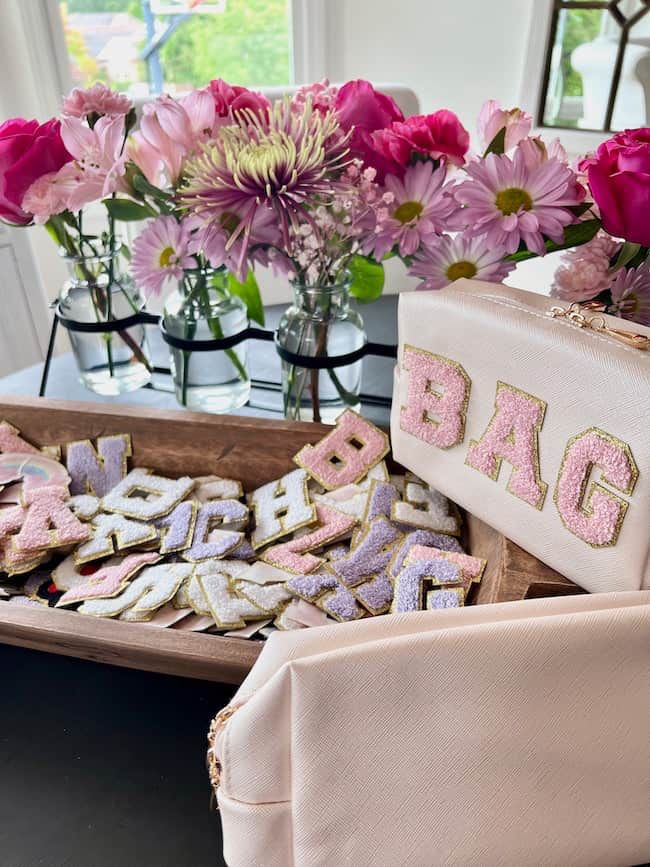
[597, 67]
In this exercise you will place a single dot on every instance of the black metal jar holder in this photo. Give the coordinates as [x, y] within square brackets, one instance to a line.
[320, 362]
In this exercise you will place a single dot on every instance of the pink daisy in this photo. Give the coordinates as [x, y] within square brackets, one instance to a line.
[449, 259]
[212, 238]
[412, 211]
[511, 202]
[631, 293]
[161, 252]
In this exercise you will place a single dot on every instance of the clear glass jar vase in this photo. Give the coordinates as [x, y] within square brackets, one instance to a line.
[109, 362]
[320, 322]
[202, 308]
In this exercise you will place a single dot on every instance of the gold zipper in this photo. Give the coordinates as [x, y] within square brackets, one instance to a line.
[212, 761]
[579, 316]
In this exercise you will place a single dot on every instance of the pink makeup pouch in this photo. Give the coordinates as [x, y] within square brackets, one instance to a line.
[509, 734]
[533, 416]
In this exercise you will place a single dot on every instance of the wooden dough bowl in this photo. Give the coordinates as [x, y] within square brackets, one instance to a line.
[182, 443]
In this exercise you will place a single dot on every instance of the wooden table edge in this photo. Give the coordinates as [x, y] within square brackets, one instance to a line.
[129, 645]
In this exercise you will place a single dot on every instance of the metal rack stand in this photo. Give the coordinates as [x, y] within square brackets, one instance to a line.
[320, 362]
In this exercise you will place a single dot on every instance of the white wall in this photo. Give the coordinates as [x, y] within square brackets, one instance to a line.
[454, 53]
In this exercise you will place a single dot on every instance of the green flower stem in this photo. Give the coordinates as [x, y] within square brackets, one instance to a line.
[203, 294]
[348, 397]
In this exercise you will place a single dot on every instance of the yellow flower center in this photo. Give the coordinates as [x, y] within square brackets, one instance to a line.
[166, 257]
[461, 269]
[511, 200]
[270, 163]
[408, 211]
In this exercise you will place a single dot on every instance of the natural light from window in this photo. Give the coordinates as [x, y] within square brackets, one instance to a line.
[152, 46]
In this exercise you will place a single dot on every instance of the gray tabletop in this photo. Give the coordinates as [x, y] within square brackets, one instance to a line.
[100, 765]
[63, 383]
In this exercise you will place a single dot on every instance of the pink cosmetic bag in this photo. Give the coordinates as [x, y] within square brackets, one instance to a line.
[534, 419]
[510, 734]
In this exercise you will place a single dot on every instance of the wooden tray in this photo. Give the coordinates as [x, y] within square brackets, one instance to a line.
[253, 450]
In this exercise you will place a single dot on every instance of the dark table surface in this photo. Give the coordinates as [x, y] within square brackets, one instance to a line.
[103, 766]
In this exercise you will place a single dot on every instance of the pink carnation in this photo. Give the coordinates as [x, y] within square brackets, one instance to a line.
[585, 271]
[97, 99]
[229, 98]
[438, 136]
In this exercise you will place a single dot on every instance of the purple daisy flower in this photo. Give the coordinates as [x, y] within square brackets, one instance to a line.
[509, 200]
[631, 293]
[449, 259]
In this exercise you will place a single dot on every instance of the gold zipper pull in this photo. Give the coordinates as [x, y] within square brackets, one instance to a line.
[576, 314]
[212, 761]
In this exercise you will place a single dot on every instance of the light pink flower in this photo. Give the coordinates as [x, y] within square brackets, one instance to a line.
[322, 95]
[631, 293]
[510, 203]
[98, 99]
[161, 252]
[584, 271]
[536, 151]
[492, 118]
[448, 259]
[48, 195]
[412, 210]
[98, 165]
[171, 131]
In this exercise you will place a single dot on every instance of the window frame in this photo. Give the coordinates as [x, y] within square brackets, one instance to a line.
[307, 33]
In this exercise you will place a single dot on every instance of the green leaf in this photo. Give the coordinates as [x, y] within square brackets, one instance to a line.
[142, 185]
[55, 228]
[249, 292]
[579, 210]
[498, 143]
[574, 236]
[130, 121]
[626, 254]
[128, 211]
[367, 278]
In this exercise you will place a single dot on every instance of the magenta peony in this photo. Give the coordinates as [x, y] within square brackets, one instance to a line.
[27, 151]
[229, 98]
[438, 135]
[361, 108]
[619, 178]
[98, 99]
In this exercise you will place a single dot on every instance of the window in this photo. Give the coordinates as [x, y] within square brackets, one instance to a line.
[150, 46]
[597, 66]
